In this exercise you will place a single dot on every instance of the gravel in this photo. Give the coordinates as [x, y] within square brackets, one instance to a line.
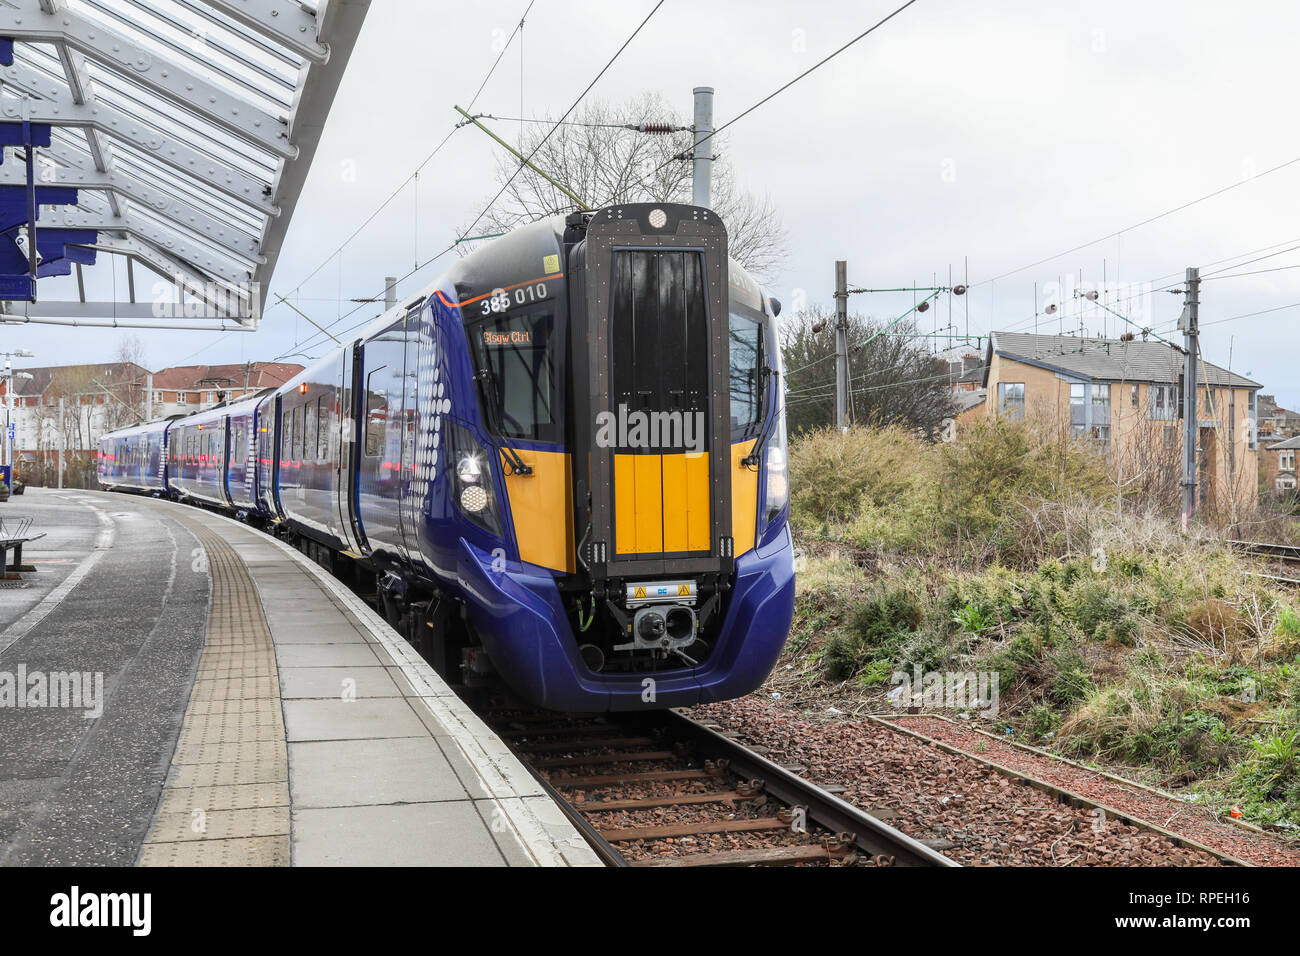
[976, 815]
[1177, 816]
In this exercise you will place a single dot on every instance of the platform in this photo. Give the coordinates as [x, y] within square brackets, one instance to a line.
[250, 710]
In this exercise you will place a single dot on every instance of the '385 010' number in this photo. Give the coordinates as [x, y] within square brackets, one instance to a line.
[500, 300]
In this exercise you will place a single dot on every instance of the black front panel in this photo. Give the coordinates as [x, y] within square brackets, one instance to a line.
[659, 332]
[650, 328]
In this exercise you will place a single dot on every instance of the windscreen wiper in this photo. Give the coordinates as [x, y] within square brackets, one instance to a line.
[755, 457]
[487, 377]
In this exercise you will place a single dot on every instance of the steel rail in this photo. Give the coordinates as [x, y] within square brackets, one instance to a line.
[839, 816]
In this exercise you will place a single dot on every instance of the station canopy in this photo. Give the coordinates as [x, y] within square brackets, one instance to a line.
[157, 144]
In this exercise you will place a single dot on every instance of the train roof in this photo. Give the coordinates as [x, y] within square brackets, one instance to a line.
[533, 252]
[157, 424]
[520, 252]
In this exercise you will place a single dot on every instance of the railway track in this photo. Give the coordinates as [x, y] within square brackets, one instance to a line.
[662, 789]
[1289, 553]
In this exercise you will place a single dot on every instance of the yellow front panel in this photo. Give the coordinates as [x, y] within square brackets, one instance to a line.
[676, 519]
[697, 501]
[649, 503]
[541, 509]
[624, 504]
[744, 497]
[661, 503]
[639, 518]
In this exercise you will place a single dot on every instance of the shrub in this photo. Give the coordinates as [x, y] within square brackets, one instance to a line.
[880, 619]
[1073, 679]
[833, 474]
[881, 637]
[928, 648]
[1278, 756]
[998, 465]
[841, 660]
[1018, 656]
[1288, 624]
[1041, 721]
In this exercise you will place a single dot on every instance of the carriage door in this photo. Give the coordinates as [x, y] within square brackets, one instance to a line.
[413, 483]
[659, 385]
[652, 429]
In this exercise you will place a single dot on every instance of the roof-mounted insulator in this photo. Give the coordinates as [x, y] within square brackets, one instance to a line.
[656, 129]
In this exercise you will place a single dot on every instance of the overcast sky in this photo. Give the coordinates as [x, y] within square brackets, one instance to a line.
[997, 133]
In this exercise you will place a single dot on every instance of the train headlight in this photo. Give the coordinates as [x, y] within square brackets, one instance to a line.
[473, 499]
[469, 469]
[776, 465]
[471, 482]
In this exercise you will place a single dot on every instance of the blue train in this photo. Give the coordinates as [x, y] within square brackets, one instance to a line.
[563, 464]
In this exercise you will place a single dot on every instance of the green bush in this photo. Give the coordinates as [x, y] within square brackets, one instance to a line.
[1073, 679]
[833, 474]
[882, 636]
[1022, 653]
[999, 464]
[879, 620]
[1288, 624]
[1041, 721]
[842, 658]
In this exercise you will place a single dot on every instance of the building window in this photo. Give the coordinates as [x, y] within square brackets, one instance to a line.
[1078, 409]
[1090, 411]
[1286, 460]
[1163, 402]
[1286, 483]
[1100, 420]
[1133, 395]
[1011, 399]
[1252, 425]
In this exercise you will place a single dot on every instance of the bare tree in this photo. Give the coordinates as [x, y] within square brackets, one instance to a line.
[126, 393]
[65, 419]
[597, 156]
[891, 380]
[1148, 461]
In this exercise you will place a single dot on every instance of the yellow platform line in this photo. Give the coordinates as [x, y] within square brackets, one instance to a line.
[226, 800]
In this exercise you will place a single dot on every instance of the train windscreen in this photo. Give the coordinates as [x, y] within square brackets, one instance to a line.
[517, 373]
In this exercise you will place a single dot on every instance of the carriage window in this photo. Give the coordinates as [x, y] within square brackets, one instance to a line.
[376, 414]
[322, 427]
[309, 431]
[517, 374]
[746, 373]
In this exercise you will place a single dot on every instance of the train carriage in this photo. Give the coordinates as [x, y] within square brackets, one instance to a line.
[196, 457]
[135, 458]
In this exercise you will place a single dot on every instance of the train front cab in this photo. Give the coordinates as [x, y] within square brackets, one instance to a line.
[678, 585]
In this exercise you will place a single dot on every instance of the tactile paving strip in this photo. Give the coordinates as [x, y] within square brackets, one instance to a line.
[226, 802]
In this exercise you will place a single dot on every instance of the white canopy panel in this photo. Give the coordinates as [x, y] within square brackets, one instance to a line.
[176, 134]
